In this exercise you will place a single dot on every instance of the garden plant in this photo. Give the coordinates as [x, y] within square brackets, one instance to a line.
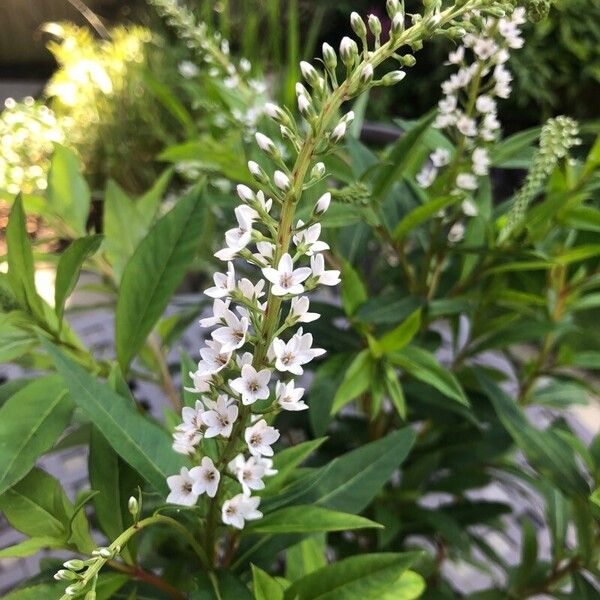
[394, 343]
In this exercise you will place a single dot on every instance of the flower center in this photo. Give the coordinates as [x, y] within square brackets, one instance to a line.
[286, 280]
[256, 439]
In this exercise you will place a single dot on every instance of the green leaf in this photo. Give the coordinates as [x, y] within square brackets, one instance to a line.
[356, 380]
[36, 592]
[365, 577]
[545, 450]
[308, 519]
[354, 292]
[401, 335]
[68, 193]
[153, 274]
[30, 422]
[423, 365]
[513, 147]
[420, 215]
[305, 557]
[69, 266]
[21, 273]
[140, 442]
[37, 506]
[222, 585]
[409, 586]
[394, 389]
[398, 158]
[31, 546]
[264, 586]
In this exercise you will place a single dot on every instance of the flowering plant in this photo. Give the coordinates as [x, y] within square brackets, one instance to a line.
[231, 499]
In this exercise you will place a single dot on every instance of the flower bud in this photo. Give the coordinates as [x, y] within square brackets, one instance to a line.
[133, 505]
[348, 117]
[266, 144]
[318, 171]
[366, 75]
[375, 25]
[304, 105]
[276, 113]
[310, 74]
[74, 564]
[322, 203]
[397, 25]
[282, 181]
[329, 56]
[348, 51]
[339, 131]
[408, 60]
[65, 575]
[257, 172]
[75, 589]
[393, 77]
[244, 192]
[103, 552]
[286, 133]
[358, 25]
[392, 7]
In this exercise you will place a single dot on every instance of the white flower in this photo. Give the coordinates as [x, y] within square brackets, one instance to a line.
[456, 233]
[206, 478]
[309, 238]
[299, 311]
[239, 509]
[485, 48]
[201, 381]
[317, 265]
[265, 143]
[304, 104]
[339, 131]
[260, 437]
[456, 57]
[466, 126]
[485, 104]
[275, 112]
[466, 181]
[265, 204]
[244, 192]
[448, 104]
[251, 291]
[250, 472]
[181, 487]
[265, 251]
[481, 161]
[289, 397]
[232, 335]
[224, 283]
[240, 236]
[192, 418]
[220, 419]
[296, 352]
[440, 158]
[469, 208]
[244, 359]
[285, 279]
[220, 308]
[323, 203]
[214, 358]
[188, 69]
[282, 181]
[253, 385]
[185, 440]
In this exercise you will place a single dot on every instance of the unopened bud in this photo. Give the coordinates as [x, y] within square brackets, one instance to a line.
[329, 56]
[348, 51]
[318, 171]
[305, 106]
[258, 173]
[408, 60]
[392, 7]
[245, 193]
[322, 203]
[276, 113]
[266, 144]
[348, 117]
[286, 133]
[397, 25]
[375, 25]
[416, 18]
[358, 25]
[103, 552]
[75, 589]
[393, 77]
[282, 181]
[339, 131]
[132, 503]
[65, 575]
[74, 564]
[310, 74]
[366, 75]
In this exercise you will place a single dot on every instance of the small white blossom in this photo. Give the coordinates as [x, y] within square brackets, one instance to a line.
[456, 233]
[291, 355]
[188, 69]
[323, 203]
[466, 125]
[201, 381]
[469, 208]
[285, 279]
[192, 418]
[244, 192]
[299, 311]
[224, 283]
[456, 57]
[250, 472]
[206, 478]
[481, 161]
[466, 181]
[220, 308]
[260, 437]
[233, 334]
[339, 131]
[220, 418]
[185, 440]
[289, 397]
[324, 277]
[309, 238]
[265, 143]
[253, 385]
[440, 157]
[214, 358]
[485, 104]
[239, 509]
[181, 487]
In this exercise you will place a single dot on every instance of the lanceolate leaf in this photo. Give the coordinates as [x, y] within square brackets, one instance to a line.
[308, 519]
[153, 274]
[30, 422]
[69, 265]
[356, 380]
[264, 586]
[367, 577]
[139, 441]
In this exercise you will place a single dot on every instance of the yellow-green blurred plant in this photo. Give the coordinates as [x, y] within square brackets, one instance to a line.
[98, 92]
[28, 131]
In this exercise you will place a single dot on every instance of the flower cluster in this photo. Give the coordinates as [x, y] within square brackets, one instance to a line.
[558, 136]
[28, 132]
[212, 50]
[468, 110]
[246, 371]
